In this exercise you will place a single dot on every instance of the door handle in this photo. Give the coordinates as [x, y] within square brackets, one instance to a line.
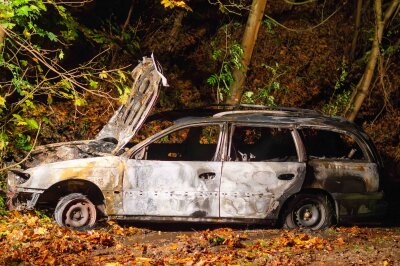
[206, 176]
[286, 176]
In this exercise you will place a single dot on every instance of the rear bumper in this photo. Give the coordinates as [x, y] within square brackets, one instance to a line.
[360, 207]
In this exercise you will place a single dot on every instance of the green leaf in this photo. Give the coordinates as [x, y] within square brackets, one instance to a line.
[61, 10]
[32, 124]
[18, 117]
[19, 2]
[23, 11]
[46, 120]
[3, 141]
[22, 142]
[23, 63]
[93, 84]
[52, 37]
[61, 55]
[2, 102]
[34, 8]
[41, 5]
[80, 101]
[7, 25]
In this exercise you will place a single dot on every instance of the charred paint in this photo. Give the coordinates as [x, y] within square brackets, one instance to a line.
[338, 176]
[171, 188]
[253, 189]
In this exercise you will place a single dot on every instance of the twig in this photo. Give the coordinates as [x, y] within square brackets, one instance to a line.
[303, 30]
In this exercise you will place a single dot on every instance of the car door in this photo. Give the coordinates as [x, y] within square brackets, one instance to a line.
[341, 165]
[263, 167]
[178, 174]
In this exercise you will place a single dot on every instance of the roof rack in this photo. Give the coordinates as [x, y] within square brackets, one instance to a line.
[233, 112]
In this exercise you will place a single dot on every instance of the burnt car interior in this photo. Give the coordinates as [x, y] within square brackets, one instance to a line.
[197, 143]
[259, 144]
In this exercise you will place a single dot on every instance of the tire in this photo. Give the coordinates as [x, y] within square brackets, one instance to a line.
[308, 211]
[76, 212]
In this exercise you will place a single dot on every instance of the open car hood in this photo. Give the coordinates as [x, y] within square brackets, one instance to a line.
[129, 117]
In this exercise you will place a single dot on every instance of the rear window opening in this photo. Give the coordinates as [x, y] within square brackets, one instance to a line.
[326, 144]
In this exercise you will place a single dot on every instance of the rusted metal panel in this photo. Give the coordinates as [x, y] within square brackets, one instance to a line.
[105, 172]
[163, 188]
[253, 190]
[339, 176]
[353, 206]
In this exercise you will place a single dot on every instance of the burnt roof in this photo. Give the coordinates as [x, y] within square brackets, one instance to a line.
[252, 113]
[210, 110]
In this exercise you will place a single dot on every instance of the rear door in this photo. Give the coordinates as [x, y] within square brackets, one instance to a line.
[263, 165]
[340, 164]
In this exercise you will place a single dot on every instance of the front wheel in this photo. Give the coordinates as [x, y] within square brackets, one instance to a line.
[75, 211]
[309, 211]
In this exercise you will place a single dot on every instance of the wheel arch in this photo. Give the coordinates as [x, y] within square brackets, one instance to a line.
[60, 189]
[315, 191]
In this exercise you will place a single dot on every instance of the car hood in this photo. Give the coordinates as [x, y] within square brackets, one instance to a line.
[122, 126]
[64, 151]
[128, 119]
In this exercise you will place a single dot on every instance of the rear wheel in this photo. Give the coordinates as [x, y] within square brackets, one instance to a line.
[310, 211]
[75, 211]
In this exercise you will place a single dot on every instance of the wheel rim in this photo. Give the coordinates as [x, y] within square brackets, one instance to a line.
[79, 214]
[308, 215]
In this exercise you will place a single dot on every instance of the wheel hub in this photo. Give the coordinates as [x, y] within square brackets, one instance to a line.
[308, 215]
[78, 215]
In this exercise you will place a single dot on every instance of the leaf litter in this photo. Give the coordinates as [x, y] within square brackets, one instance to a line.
[34, 239]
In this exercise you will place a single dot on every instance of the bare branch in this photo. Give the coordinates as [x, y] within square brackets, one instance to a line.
[231, 7]
[299, 3]
[307, 29]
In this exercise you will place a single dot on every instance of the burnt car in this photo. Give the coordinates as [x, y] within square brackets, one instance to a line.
[239, 164]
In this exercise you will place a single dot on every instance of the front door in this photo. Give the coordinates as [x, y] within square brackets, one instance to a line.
[263, 167]
[179, 175]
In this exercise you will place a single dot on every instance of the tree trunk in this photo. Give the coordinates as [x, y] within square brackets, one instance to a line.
[357, 29]
[176, 28]
[2, 38]
[248, 42]
[363, 85]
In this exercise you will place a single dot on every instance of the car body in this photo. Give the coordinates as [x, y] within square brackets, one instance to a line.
[241, 164]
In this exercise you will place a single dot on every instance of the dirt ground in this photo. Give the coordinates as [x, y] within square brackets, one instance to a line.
[34, 239]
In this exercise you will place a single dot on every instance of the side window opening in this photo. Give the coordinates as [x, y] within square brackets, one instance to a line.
[326, 144]
[148, 129]
[258, 144]
[197, 143]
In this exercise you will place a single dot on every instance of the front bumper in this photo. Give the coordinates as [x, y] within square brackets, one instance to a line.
[20, 198]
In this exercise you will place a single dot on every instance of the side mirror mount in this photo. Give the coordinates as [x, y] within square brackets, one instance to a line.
[140, 155]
